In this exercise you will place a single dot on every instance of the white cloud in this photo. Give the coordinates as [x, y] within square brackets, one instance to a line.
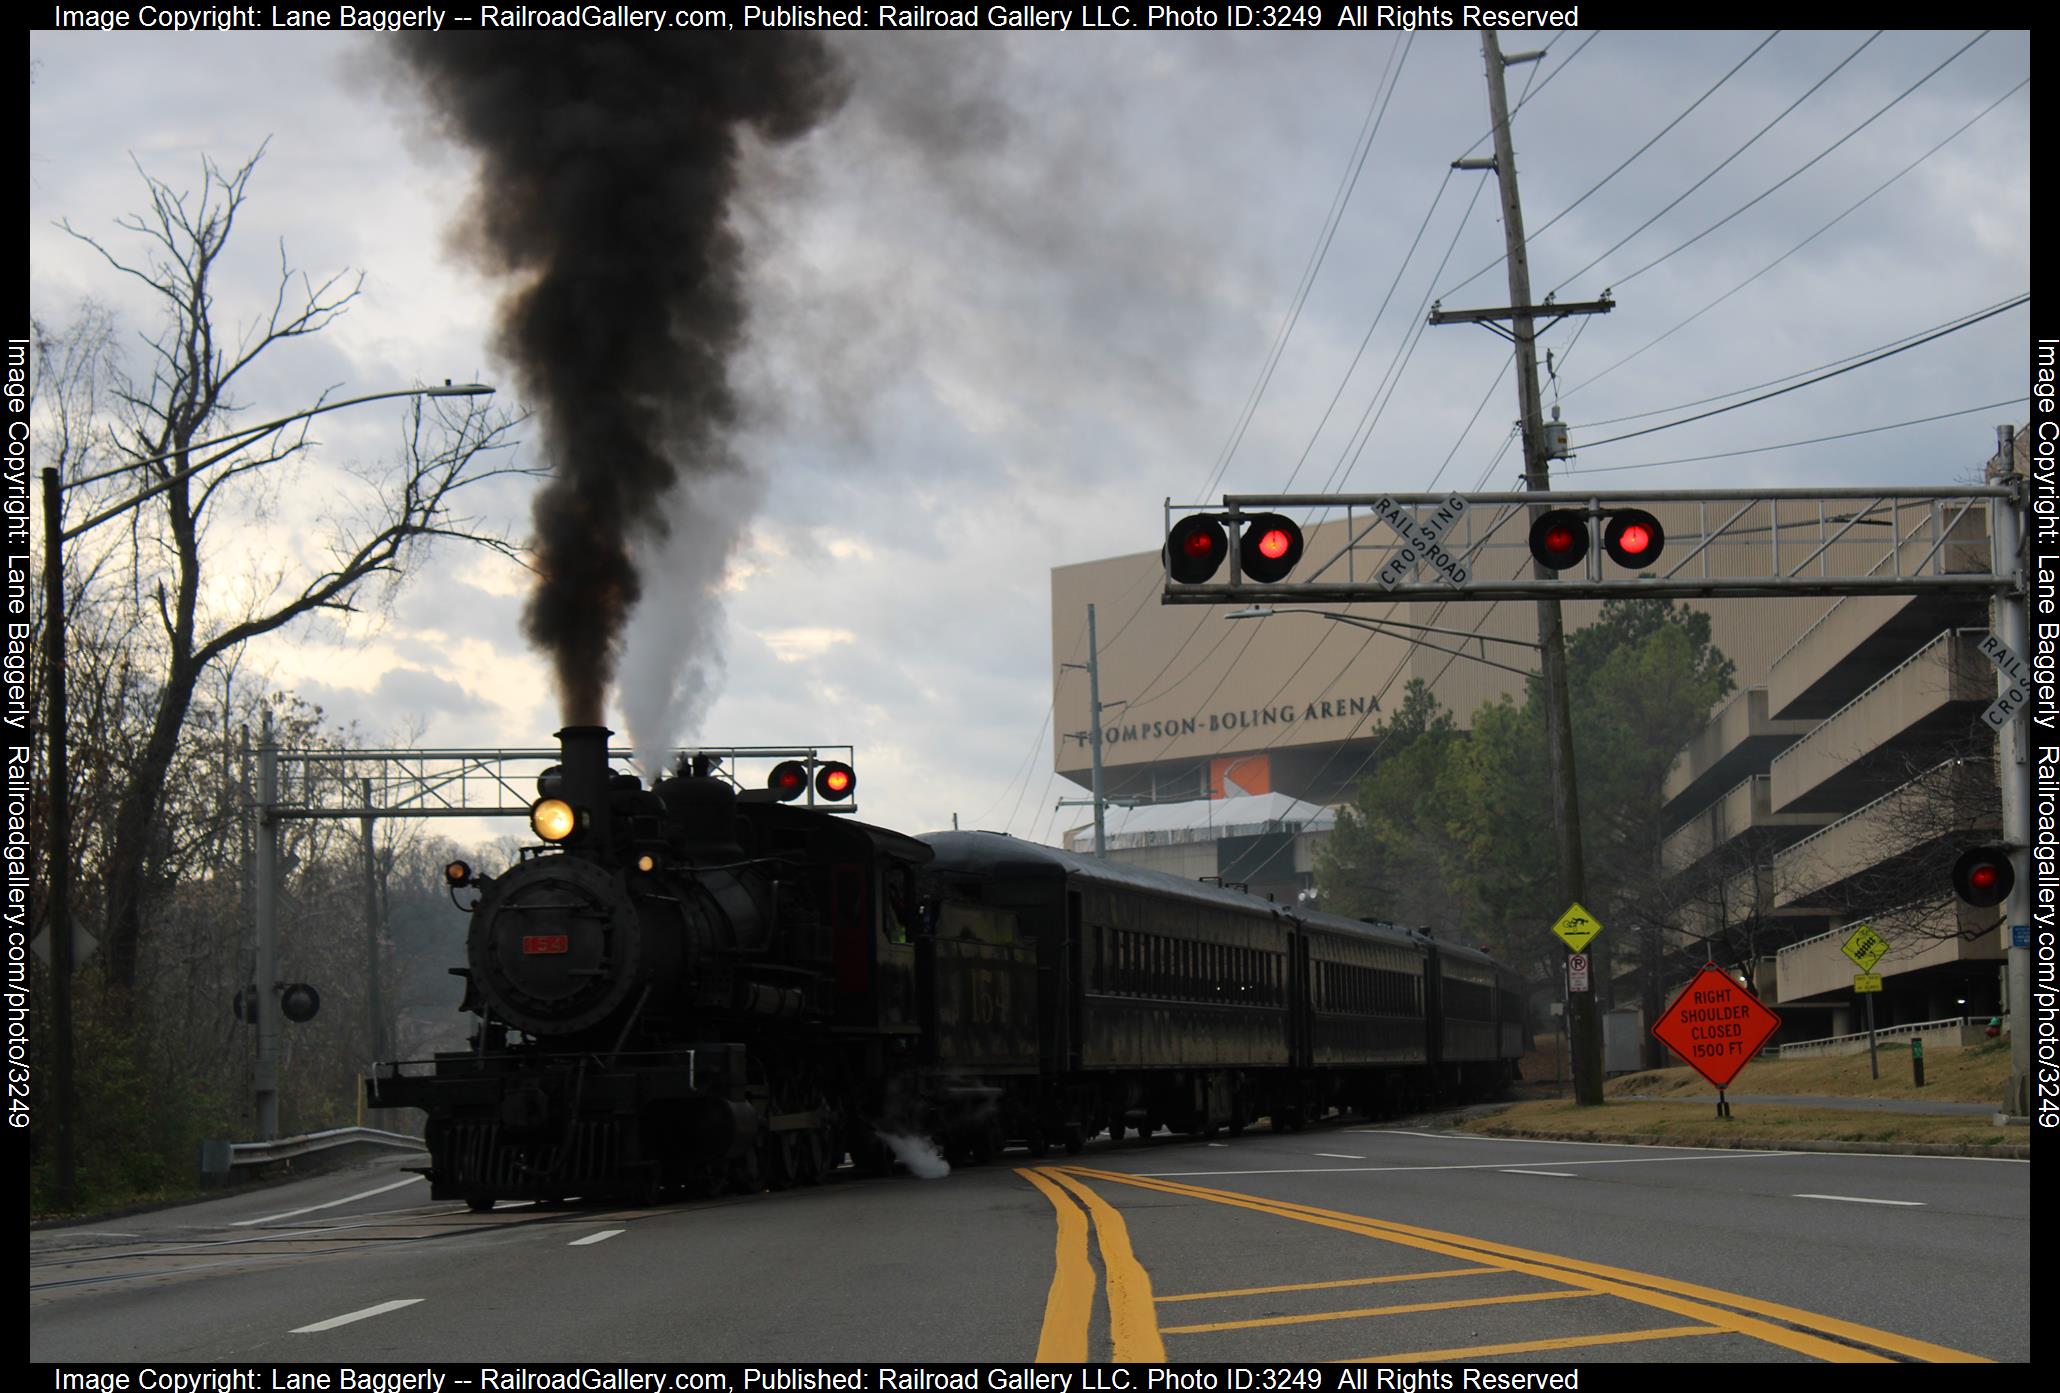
[802, 645]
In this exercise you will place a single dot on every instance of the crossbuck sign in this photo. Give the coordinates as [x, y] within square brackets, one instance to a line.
[1420, 542]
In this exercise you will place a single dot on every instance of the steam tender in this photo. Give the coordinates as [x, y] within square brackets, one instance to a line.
[689, 988]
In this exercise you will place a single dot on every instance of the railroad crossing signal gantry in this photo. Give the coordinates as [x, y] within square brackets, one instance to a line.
[1663, 544]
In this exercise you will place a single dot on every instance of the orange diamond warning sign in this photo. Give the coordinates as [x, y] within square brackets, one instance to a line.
[1716, 1025]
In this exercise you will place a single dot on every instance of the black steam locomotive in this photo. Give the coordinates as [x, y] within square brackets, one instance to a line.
[689, 988]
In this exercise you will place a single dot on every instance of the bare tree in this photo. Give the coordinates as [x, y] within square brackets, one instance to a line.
[187, 616]
[1920, 808]
[1946, 800]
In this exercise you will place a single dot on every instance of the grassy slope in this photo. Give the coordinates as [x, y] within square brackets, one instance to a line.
[1957, 1075]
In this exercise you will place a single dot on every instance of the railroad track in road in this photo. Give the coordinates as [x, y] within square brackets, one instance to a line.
[283, 1239]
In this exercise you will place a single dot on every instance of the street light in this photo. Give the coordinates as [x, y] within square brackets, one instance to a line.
[1388, 627]
[55, 535]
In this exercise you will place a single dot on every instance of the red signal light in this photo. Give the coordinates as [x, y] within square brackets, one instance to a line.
[1195, 549]
[834, 781]
[788, 781]
[1270, 547]
[1633, 537]
[1559, 539]
[1984, 876]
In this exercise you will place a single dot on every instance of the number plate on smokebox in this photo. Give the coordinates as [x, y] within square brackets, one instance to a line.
[545, 943]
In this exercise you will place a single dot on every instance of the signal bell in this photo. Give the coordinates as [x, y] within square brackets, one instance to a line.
[299, 1002]
[1983, 876]
[1559, 539]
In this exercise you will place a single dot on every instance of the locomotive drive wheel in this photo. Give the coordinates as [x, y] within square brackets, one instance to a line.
[815, 1156]
[871, 1157]
[818, 1144]
[782, 1159]
[746, 1176]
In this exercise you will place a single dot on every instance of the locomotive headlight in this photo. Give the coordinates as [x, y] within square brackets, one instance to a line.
[647, 863]
[552, 819]
[458, 873]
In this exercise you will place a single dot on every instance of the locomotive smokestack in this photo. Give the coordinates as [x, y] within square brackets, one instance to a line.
[583, 766]
[609, 164]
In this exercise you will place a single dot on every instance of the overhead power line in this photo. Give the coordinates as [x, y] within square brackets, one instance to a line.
[1369, 129]
[1785, 377]
[1531, 238]
[1850, 210]
[1820, 377]
[1749, 143]
[1794, 444]
[1622, 280]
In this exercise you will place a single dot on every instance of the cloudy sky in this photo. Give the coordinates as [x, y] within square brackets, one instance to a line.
[1019, 289]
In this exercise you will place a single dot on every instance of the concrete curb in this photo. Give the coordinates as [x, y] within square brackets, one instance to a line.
[1864, 1148]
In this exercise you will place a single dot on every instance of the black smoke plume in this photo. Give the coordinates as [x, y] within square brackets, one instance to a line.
[608, 168]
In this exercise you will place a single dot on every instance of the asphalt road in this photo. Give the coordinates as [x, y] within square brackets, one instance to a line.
[1341, 1243]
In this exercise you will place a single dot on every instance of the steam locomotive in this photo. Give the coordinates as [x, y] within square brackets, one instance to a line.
[689, 988]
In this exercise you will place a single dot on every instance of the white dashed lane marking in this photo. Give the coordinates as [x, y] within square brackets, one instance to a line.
[361, 1195]
[381, 1309]
[1856, 1199]
[604, 1234]
[1564, 1175]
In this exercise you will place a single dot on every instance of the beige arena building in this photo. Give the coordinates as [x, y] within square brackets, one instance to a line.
[1231, 737]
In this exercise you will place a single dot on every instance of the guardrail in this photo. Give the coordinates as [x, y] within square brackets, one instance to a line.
[221, 1158]
[1959, 1026]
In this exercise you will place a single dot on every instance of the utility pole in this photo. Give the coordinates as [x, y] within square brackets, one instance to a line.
[1094, 735]
[1585, 1025]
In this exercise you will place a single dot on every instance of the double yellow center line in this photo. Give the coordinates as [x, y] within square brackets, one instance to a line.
[1136, 1337]
[1069, 1307]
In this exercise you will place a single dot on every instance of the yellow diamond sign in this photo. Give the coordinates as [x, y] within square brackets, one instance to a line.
[1865, 947]
[1576, 927]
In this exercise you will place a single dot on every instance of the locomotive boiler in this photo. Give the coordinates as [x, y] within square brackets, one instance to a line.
[692, 987]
